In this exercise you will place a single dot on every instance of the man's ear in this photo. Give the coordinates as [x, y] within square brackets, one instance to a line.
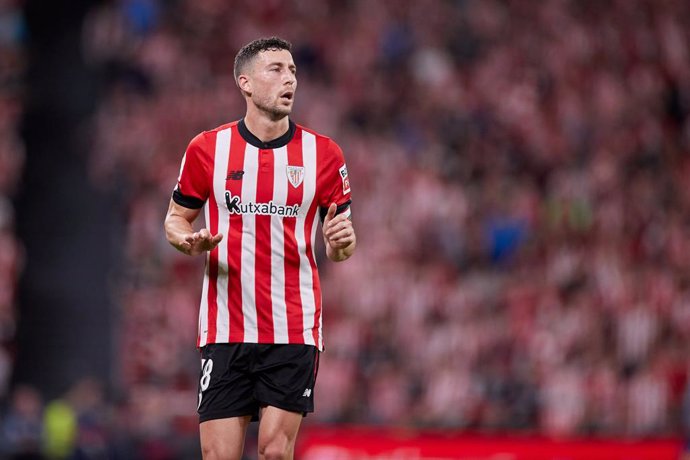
[244, 84]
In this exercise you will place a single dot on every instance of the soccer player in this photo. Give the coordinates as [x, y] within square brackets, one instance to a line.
[264, 183]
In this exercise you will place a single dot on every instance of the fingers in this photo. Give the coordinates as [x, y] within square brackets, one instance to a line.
[343, 234]
[331, 212]
[200, 241]
[336, 225]
[339, 232]
[202, 234]
[341, 243]
[214, 240]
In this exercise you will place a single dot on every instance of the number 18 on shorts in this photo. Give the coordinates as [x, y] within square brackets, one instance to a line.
[205, 380]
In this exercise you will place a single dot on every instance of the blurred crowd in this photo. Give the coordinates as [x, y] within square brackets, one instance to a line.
[12, 68]
[519, 175]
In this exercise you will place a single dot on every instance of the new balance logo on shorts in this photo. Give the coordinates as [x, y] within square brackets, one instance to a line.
[307, 393]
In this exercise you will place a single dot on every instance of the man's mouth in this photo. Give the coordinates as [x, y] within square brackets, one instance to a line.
[287, 95]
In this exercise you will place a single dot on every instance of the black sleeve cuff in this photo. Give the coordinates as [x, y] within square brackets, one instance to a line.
[341, 208]
[187, 201]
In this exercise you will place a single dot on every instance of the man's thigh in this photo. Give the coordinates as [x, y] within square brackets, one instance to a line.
[223, 439]
[277, 432]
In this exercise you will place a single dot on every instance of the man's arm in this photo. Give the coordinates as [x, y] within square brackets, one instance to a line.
[338, 235]
[181, 234]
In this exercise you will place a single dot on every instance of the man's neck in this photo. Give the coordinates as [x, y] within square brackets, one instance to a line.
[265, 128]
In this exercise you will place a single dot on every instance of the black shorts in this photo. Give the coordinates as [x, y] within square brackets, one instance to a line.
[237, 379]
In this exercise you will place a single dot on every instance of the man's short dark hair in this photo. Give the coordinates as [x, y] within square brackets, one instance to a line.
[250, 50]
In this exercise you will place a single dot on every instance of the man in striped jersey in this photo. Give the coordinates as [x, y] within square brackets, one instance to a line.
[264, 183]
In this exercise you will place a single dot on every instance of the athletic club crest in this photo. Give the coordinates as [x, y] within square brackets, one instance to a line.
[295, 175]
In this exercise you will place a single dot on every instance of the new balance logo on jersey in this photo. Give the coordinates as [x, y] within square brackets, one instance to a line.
[235, 206]
[235, 175]
[307, 393]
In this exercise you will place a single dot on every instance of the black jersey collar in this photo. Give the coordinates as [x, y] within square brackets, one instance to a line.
[276, 143]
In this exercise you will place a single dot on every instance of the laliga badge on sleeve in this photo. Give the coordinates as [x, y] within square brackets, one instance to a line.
[295, 175]
[345, 179]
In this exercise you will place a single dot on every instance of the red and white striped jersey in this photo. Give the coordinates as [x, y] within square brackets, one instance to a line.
[261, 283]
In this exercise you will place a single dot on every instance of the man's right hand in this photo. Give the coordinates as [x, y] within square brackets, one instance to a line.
[179, 231]
[198, 242]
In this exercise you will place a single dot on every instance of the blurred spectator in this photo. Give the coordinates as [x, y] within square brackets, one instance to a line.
[93, 419]
[22, 427]
[20, 432]
[60, 428]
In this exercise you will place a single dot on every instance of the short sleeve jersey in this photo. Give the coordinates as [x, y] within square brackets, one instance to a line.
[261, 283]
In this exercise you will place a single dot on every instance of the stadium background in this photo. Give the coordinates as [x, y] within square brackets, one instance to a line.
[520, 174]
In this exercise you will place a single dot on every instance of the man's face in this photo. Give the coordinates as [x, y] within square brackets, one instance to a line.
[272, 82]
